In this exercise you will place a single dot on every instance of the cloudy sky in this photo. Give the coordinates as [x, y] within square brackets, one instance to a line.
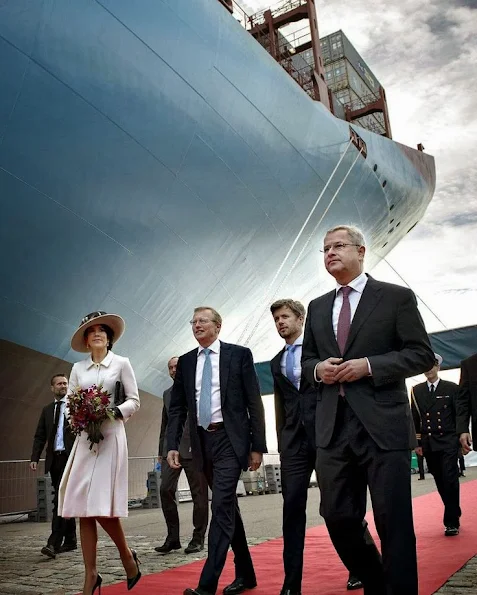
[425, 56]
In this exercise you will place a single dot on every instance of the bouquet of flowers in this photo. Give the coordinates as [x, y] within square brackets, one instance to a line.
[88, 408]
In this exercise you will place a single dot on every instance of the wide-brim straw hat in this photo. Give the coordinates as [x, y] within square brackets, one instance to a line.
[115, 323]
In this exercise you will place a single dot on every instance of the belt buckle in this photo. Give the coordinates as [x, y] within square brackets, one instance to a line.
[212, 430]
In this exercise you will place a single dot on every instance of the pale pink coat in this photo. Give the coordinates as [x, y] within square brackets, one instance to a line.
[95, 482]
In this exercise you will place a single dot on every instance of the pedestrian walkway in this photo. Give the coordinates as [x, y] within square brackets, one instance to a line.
[24, 571]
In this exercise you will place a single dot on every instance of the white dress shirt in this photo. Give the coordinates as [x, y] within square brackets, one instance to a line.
[216, 403]
[357, 285]
[434, 384]
[59, 442]
[297, 361]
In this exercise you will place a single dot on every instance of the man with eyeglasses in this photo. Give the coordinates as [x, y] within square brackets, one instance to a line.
[361, 341]
[217, 386]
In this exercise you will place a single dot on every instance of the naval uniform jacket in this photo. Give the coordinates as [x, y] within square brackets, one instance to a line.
[435, 415]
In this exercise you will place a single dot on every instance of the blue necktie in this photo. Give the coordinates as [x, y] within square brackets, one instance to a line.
[290, 364]
[205, 401]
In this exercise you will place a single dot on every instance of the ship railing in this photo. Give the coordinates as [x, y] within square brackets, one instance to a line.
[278, 9]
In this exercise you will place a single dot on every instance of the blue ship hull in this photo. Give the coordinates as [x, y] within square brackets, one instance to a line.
[154, 157]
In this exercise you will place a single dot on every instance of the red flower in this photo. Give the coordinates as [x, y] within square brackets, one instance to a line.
[88, 409]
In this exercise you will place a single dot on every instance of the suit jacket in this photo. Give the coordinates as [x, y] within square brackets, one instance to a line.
[184, 447]
[466, 404]
[387, 329]
[242, 407]
[435, 415]
[43, 435]
[294, 410]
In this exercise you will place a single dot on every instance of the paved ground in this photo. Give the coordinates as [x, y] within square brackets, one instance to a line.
[24, 571]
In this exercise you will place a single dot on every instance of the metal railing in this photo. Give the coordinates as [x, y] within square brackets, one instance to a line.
[18, 483]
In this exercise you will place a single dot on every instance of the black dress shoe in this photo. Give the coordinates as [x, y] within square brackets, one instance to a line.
[67, 547]
[49, 551]
[168, 546]
[239, 586]
[289, 592]
[194, 547]
[449, 532]
[353, 583]
[197, 591]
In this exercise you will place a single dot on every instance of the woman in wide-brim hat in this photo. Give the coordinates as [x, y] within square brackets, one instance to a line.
[94, 486]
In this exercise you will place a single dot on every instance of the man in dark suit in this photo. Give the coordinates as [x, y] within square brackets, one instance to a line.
[295, 405]
[170, 479]
[54, 431]
[361, 341]
[217, 385]
[433, 412]
[466, 404]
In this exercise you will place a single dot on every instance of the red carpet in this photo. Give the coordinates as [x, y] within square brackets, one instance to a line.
[439, 557]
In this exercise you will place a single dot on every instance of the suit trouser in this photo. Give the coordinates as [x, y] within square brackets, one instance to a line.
[442, 465]
[296, 470]
[60, 527]
[351, 462]
[199, 493]
[222, 470]
[461, 463]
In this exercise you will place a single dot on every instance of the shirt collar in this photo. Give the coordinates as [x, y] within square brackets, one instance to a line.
[429, 384]
[215, 347]
[297, 343]
[106, 361]
[358, 283]
[63, 400]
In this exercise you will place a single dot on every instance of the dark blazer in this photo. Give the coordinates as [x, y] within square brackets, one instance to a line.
[43, 435]
[294, 410]
[466, 403]
[242, 407]
[387, 329]
[184, 447]
[435, 416]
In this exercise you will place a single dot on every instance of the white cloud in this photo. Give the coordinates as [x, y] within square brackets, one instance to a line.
[425, 56]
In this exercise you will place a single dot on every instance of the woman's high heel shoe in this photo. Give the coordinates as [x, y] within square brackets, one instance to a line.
[97, 584]
[133, 581]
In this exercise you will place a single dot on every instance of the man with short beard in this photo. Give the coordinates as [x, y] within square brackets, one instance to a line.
[53, 430]
[295, 405]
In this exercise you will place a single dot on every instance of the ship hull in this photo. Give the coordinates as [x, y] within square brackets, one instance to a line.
[153, 158]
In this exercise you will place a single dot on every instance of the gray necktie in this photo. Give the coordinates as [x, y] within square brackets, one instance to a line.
[205, 401]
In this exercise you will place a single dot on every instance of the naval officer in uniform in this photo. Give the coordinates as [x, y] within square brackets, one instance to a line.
[434, 413]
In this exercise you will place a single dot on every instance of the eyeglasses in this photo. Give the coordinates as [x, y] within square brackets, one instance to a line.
[337, 247]
[199, 321]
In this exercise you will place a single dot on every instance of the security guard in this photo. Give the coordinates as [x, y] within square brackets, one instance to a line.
[433, 412]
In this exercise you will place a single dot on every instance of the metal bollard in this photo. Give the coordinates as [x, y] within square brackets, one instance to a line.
[153, 499]
[44, 499]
